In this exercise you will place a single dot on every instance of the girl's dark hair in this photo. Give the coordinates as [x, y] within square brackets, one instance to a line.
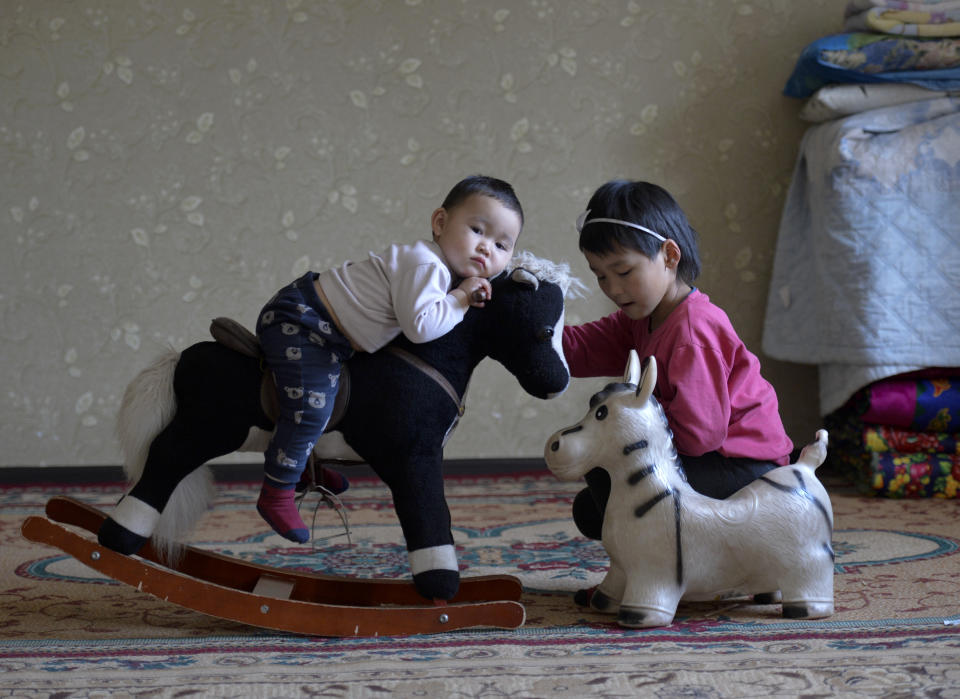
[650, 206]
[487, 186]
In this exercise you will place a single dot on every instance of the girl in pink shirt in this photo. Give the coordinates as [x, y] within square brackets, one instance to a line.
[723, 413]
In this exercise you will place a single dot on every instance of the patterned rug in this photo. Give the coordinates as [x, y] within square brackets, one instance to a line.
[67, 631]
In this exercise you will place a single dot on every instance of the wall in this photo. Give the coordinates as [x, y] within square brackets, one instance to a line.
[165, 162]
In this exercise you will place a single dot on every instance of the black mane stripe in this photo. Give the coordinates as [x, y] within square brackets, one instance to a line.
[652, 502]
[609, 389]
[638, 476]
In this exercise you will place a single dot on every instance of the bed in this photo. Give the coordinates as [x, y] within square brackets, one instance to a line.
[866, 275]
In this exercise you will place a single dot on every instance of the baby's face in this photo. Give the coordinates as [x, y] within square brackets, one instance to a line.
[477, 236]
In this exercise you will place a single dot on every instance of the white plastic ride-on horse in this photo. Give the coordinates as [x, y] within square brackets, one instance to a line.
[667, 542]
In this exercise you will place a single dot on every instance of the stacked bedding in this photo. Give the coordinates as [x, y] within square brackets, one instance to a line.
[904, 17]
[899, 437]
[866, 277]
[873, 63]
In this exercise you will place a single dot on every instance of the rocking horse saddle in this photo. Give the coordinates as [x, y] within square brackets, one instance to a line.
[232, 334]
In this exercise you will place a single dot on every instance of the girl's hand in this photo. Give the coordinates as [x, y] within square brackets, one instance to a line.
[477, 289]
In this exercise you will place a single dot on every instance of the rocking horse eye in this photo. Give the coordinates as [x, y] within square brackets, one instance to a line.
[601, 412]
[545, 334]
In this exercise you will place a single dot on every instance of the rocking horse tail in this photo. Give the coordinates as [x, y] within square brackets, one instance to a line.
[149, 406]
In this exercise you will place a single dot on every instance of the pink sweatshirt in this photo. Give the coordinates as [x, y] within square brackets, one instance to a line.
[708, 382]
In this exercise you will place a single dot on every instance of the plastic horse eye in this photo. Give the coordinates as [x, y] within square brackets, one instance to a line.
[544, 334]
[601, 412]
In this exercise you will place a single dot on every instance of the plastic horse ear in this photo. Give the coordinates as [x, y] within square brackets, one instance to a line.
[632, 372]
[645, 380]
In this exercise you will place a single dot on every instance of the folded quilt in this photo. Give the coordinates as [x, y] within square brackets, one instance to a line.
[840, 380]
[913, 475]
[902, 472]
[882, 54]
[834, 101]
[905, 23]
[855, 7]
[860, 57]
[880, 439]
[930, 405]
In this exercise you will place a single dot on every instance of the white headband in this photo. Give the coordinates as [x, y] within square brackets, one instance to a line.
[582, 221]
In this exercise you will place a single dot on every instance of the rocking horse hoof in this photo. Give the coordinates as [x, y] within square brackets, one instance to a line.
[118, 538]
[437, 584]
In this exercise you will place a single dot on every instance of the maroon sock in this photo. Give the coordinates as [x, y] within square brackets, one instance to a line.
[334, 481]
[278, 507]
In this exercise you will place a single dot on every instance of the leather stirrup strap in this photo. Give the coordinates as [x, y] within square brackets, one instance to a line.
[427, 369]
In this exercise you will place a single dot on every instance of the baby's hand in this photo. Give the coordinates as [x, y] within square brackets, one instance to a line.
[477, 289]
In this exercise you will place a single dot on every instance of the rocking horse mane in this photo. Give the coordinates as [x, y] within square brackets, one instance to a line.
[550, 271]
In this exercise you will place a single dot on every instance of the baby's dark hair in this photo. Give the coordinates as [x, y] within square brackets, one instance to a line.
[650, 206]
[487, 186]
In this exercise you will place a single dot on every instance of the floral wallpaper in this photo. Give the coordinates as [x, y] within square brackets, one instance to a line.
[163, 162]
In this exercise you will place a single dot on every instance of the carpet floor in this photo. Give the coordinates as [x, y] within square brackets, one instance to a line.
[67, 631]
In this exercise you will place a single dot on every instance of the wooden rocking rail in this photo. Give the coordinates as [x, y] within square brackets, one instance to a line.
[275, 598]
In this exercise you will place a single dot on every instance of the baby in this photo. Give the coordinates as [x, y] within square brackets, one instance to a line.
[309, 328]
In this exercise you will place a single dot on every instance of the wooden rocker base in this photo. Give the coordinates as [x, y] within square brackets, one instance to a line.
[274, 598]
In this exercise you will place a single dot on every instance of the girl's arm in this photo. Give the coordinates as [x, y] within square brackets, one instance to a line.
[599, 348]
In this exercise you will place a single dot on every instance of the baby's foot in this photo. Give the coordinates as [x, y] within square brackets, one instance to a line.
[277, 507]
[332, 480]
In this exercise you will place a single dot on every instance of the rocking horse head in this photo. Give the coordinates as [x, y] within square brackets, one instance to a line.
[524, 330]
[520, 327]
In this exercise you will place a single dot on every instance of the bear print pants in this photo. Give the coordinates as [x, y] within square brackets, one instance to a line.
[305, 350]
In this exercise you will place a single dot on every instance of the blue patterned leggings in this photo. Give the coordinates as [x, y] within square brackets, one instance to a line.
[304, 349]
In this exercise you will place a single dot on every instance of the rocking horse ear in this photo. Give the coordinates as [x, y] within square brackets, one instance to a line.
[632, 373]
[648, 380]
[525, 277]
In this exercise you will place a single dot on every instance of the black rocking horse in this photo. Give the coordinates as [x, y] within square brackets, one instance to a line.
[206, 401]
